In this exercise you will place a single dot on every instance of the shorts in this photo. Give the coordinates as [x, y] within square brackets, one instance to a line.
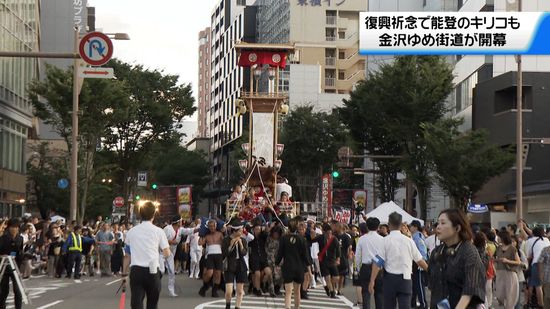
[534, 278]
[329, 270]
[214, 261]
[257, 265]
[238, 276]
[343, 268]
[293, 275]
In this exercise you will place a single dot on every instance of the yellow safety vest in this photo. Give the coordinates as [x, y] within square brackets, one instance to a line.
[77, 243]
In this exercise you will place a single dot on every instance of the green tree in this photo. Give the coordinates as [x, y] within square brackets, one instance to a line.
[385, 113]
[153, 110]
[311, 140]
[52, 102]
[464, 162]
[44, 169]
[175, 165]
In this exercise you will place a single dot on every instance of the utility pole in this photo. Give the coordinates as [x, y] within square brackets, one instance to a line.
[519, 135]
[74, 134]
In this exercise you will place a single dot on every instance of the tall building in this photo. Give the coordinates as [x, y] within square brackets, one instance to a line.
[19, 31]
[231, 21]
[327, 64]
[57, 22]
[203, 99]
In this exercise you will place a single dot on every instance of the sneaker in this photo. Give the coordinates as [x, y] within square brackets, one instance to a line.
[172, 294]
[257, 292]
[333, 295]
[303, 295]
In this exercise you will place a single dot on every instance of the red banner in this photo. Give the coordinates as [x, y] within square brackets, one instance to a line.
[249, 58]
[342, 215]
[326, 193]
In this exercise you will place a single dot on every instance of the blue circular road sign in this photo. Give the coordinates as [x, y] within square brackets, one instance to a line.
[63, 183]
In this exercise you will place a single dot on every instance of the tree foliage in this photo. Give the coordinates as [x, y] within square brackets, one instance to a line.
[44, 170]
[311, 140]
[52, 102]
[464, 162]
[126, 116]
[385, 112]
[173, 164]
[153, 109]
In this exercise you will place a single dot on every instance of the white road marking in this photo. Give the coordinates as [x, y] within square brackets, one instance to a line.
[317, 300]
[50, 304]
[113, 282]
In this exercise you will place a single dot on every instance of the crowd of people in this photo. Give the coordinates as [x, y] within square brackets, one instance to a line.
[462, 266]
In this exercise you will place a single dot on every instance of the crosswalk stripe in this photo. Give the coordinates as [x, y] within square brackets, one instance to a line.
[317, 300]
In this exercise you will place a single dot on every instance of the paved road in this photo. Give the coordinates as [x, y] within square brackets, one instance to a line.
[99, 293]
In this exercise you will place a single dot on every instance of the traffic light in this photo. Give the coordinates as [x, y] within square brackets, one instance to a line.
[138, 197]
[154, 186]
[335, 174]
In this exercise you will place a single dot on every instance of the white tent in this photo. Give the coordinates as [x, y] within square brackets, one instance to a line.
[58, 218]
[383, 211]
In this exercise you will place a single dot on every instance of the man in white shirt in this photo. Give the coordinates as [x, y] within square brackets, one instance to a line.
[432, 241]
[143, 243]
[195, 252]
[174, 233]
[396, 258]
[535, 245]
[368, 247]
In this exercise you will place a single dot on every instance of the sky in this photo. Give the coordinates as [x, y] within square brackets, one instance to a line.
[163, 33]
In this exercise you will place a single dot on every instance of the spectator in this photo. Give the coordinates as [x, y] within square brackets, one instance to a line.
[508, 261]
[105, 240]
[535, 245]
[55, 241]
[87, 251]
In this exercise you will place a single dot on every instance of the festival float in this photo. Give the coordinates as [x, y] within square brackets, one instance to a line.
[263, 191]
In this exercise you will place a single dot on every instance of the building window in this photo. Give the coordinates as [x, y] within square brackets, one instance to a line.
[241, 2]
[341, 54]
[341, 75]
[506, 99]
[342, 35]
[12, 146]
[464, 92]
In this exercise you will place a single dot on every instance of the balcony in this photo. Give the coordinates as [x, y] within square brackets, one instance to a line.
[331, 20]
[330, 82]
[330, 61]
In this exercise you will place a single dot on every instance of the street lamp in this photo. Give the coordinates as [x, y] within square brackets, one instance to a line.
[118, 36]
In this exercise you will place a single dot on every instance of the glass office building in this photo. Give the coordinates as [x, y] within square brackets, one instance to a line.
[19, 31]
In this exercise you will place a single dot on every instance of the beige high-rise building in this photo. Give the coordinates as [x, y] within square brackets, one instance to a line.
[203, 99]
[326, 37]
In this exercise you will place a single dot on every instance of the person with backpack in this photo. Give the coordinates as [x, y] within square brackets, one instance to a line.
[485, 243]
